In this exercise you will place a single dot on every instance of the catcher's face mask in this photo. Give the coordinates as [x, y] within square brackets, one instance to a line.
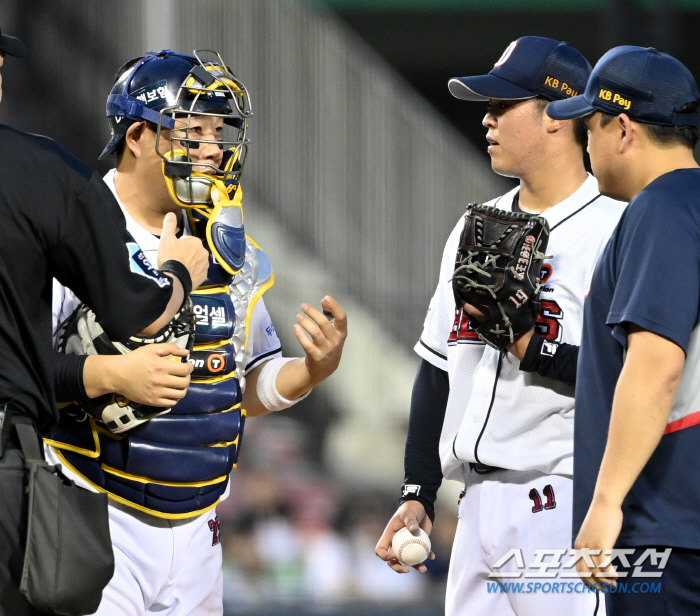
[212, 110]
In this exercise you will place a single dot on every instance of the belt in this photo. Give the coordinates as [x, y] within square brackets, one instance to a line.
[483, 469]
[8, 437]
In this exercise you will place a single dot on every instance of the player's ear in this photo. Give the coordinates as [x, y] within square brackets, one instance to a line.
[554, 126]
[627, 131]
[134, 138]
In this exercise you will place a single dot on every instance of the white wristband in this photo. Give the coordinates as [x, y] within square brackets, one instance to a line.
[267, 385]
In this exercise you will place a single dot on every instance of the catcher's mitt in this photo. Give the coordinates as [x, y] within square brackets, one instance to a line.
[497, 270]
[81, 334]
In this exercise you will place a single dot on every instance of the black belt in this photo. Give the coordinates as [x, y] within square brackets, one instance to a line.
[8, 437]
[483, 469]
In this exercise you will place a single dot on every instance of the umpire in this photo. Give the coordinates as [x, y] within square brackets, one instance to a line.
[58, 219]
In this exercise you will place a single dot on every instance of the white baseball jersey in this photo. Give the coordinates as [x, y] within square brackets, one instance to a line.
[530, 424]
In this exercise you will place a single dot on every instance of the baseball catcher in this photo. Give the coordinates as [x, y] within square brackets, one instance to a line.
[497, 270]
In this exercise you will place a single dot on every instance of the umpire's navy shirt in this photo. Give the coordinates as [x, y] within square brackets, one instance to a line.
[649, 275]
[59, 219]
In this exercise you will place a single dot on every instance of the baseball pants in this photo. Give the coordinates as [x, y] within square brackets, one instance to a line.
[504, 511]
[164, 567]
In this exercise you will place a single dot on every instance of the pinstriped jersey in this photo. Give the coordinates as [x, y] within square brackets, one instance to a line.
[518, 420]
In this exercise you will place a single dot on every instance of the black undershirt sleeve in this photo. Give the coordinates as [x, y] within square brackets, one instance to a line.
[556, 360]
[423, 471]
[68, 377]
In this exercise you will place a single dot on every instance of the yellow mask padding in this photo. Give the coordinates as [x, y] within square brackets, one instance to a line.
[194, 86]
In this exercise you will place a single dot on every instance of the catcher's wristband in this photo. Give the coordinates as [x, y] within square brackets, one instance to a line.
[180, 272]
[267, 385]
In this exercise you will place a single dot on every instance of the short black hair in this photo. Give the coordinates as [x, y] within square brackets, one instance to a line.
[580, 130]
[666, 136]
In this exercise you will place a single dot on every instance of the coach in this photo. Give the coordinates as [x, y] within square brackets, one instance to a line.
[58, 219]
[637, 425]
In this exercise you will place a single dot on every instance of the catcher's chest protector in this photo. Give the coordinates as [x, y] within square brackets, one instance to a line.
[176, 465]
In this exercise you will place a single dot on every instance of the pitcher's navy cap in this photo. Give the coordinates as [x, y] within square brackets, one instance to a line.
[647, 85]
[529, 67]
[12, 46]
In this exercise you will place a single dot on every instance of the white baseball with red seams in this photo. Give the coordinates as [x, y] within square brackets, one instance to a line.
[411, 549]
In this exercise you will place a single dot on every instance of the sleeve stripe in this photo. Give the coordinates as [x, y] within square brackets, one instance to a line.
[259, 358]
[433, 351]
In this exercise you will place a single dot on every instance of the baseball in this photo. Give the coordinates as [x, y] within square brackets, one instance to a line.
[411, 549]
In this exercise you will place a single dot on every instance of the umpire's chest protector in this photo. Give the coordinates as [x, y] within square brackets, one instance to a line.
[177, 465]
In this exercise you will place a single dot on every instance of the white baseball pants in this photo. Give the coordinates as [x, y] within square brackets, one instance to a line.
[164, 567]
[500, 511]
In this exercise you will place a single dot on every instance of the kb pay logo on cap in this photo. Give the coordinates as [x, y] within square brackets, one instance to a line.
[613, 97]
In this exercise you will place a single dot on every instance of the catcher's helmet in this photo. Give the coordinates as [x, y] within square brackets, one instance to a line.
[169, 89]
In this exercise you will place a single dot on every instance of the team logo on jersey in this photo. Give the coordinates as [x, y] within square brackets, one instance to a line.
[545, 273]
[462, 331]
[215, 528]
[139, 264]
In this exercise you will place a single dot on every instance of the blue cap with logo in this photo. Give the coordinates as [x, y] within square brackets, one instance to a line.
[529, 67]
[647, 85]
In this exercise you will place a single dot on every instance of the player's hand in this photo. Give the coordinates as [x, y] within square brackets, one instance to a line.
[324, 349]
[187, 250]
[410, 514]
[519, 347]
[475, 313]
[152, 375]
[599, 531]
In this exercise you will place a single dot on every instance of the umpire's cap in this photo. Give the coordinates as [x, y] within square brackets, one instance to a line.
[529, 67]
[647, 85]
[12, 46]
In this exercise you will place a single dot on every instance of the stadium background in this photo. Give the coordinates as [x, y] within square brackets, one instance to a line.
[360, 165]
